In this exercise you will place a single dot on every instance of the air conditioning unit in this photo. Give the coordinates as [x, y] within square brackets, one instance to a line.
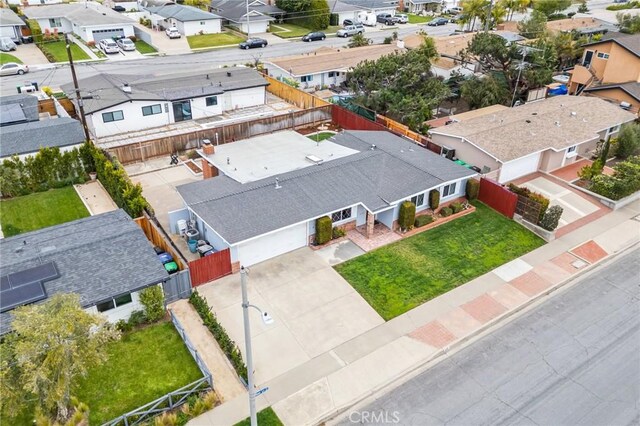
[625, 105]
[448, 153]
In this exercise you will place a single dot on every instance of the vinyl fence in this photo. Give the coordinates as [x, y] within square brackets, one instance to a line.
[177, 287]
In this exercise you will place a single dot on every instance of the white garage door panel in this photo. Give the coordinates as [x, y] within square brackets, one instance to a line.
[110, 33]
[272, 245]
[7, 32]
[520, 167]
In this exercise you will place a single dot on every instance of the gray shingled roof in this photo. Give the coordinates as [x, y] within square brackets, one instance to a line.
[235, 10]
[98, 258]
[29, 137]
[18, 109]
[631, 42]
[9, 18]
[105, 90]
[181, 13]
[395, 170]
[78, 14]
[372, 4]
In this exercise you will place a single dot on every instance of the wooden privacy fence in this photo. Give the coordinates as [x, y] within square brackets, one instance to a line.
[210, 267]
[351, 121]
[47, 105]
[498, 197]
[220, 135]
[401, 129]
[292, 95]
[157, 239]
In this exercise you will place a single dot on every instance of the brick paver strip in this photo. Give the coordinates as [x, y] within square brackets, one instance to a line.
[509, 296]
[590, 251]
[484, 308]
[458, 322]
[552, 272]
[433, 334]
[565, 261]
[530, 283]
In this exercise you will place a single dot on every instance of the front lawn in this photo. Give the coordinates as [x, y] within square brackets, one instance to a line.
[292, 30]
[398, 277]
[266, 417]
[56, 51]
[5, 57]
[417, 19]
[144, 47]
[40, 209]
[144, 365]
[213, 40]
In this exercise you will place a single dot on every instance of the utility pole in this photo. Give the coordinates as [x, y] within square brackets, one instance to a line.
[248, 26]
[247, 341]
[83, 119]
[486, 22]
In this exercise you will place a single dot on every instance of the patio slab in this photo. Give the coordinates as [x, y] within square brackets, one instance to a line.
[381, 237]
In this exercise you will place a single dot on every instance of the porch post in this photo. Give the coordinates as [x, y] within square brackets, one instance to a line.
[370, 222]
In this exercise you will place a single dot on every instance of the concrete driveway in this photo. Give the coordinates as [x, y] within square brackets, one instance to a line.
[314, 310]
[30, 54]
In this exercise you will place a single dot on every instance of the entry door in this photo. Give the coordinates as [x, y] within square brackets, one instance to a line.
[182, 111]
[587, 58]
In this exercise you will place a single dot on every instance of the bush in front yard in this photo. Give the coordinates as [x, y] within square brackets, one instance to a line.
[407, 215]
[628, 140]
[324, 230]
[624, 182]
[456, 207]
[446, 211]
[338, 233]
[434, 199]
[551, 218]
[534, 196]
[423, 220]
[152, 299]
[472, 189]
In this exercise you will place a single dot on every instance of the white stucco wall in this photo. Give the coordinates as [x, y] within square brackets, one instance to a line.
[257, 27]
[199, 108]
[65, 27]
[243, 98]
[210, 26]
[319, 79]
[133, 118]
[120, 313]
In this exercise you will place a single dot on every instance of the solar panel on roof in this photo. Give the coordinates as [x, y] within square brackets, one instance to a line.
[27, 286]
[44, 272]
[23, 295]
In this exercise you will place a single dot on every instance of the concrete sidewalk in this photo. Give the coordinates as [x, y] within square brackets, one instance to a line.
[336, 380]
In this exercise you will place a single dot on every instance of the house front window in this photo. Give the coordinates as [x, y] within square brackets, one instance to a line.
[107, 305]
[340, 215]
[603, 55]
[108, 117]
[306, 78]
[418, 200]
[334, 73]
[449, 190]
[152, 109]
[55, 22]
[211, 101]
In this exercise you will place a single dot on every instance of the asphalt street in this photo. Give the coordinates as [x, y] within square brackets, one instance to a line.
[573, 360]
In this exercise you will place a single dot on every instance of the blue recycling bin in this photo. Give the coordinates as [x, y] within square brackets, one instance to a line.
[193, 245]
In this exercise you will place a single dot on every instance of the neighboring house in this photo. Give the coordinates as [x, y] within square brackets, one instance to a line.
[355, 178]
[10, 24]
[509, 37]
[325, 66]
[234, 13]
[582, 25]
[375, 6]
[33, 2]
[188, 19]
[418, 6]
[610, 68]
[115, 104]
[539, 136]
[105, 259]
[23, 133]
[343, 10]
[91, 22]
[449, 48]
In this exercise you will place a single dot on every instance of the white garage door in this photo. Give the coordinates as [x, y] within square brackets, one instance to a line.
[520, 167]
[110, 33]
[7, 32]
[272, 245]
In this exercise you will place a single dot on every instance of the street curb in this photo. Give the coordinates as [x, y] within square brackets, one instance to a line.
[463, 342]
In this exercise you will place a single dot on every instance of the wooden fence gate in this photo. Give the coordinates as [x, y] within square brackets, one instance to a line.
[210, 267]
[498, 197]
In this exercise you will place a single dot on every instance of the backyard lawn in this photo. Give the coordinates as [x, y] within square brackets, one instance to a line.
[213, 40]
[144, 47]
[417, 19]
[398, 277]
[58, 51]
[291, 30]
[321, 136]
[5, 57]
[142, 366]
[39, 210]
[266, 417]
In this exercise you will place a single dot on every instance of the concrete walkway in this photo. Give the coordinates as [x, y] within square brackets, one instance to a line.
[335, 380]
[95, 198]
[226, 382]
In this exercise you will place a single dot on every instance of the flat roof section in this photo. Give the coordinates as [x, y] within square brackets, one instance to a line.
[272, 154]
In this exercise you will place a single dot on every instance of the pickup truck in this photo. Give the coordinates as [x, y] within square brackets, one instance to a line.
[350, 30]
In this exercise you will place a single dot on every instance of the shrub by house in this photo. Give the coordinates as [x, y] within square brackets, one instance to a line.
[406, 215]
[324, 230]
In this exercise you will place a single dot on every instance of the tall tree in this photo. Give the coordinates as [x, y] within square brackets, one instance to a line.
[628, 23]
[483, 92]
[534, 26]
[53, 344]
[513, 6]
[313, 14]
[474, 10]
[549, 7]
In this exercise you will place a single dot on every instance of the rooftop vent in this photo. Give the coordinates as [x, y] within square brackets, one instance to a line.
[278, 183]
[314, 159]
[574, 114]
[557, 123]
[126, 88]
[373, 147]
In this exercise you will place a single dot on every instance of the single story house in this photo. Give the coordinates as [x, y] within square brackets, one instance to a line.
[585, 25]
[419, 6]
[325, 66]
[355, 178]
[91, 22]
[234, 13]
[188, 19]
[33, 2]
[10, 24]
[449, 48]
[105, 259]
[16, 109]
[375, 6]
[543, 135]
[115, 104]
[343, 10]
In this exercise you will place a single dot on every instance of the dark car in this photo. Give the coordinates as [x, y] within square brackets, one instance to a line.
[119, 8]
[437, 22]
[385, 18]
[318, 35]
[347, 22]
[250, 43]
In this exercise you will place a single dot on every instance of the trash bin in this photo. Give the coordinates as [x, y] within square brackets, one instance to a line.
[193, 245]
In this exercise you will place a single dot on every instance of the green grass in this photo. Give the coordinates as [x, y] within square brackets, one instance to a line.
[5, 57]
[39, 210]
[213, 40]
[293, 31]
[398, 277]
[266, 417]
[142, 366]
[58, 51]
[144, 47]
[321, 136]
[417, 19]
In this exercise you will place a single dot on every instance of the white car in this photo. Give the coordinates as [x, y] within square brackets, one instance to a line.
[11, 68]
[173, 32]
[126, 44]
[107, 45]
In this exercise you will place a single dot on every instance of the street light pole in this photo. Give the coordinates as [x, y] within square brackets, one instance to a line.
[248, 25]
[248, 353]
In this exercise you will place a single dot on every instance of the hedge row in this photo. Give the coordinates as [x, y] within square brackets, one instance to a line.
[227, 345]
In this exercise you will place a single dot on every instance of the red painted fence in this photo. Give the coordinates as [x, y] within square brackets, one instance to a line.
[210, 267]
[351, 121]
[498, 197]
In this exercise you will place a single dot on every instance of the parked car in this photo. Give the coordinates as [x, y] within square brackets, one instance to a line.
[7, 45]
[172, 32]
[350, 30]
[453, 10]
[119, 8]
[348, 22]
[107, 45]
[125, 44]
[401, 18]
[437, 22]
[318, 35]
[11, 68]
[385, 18]
[250, 43]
